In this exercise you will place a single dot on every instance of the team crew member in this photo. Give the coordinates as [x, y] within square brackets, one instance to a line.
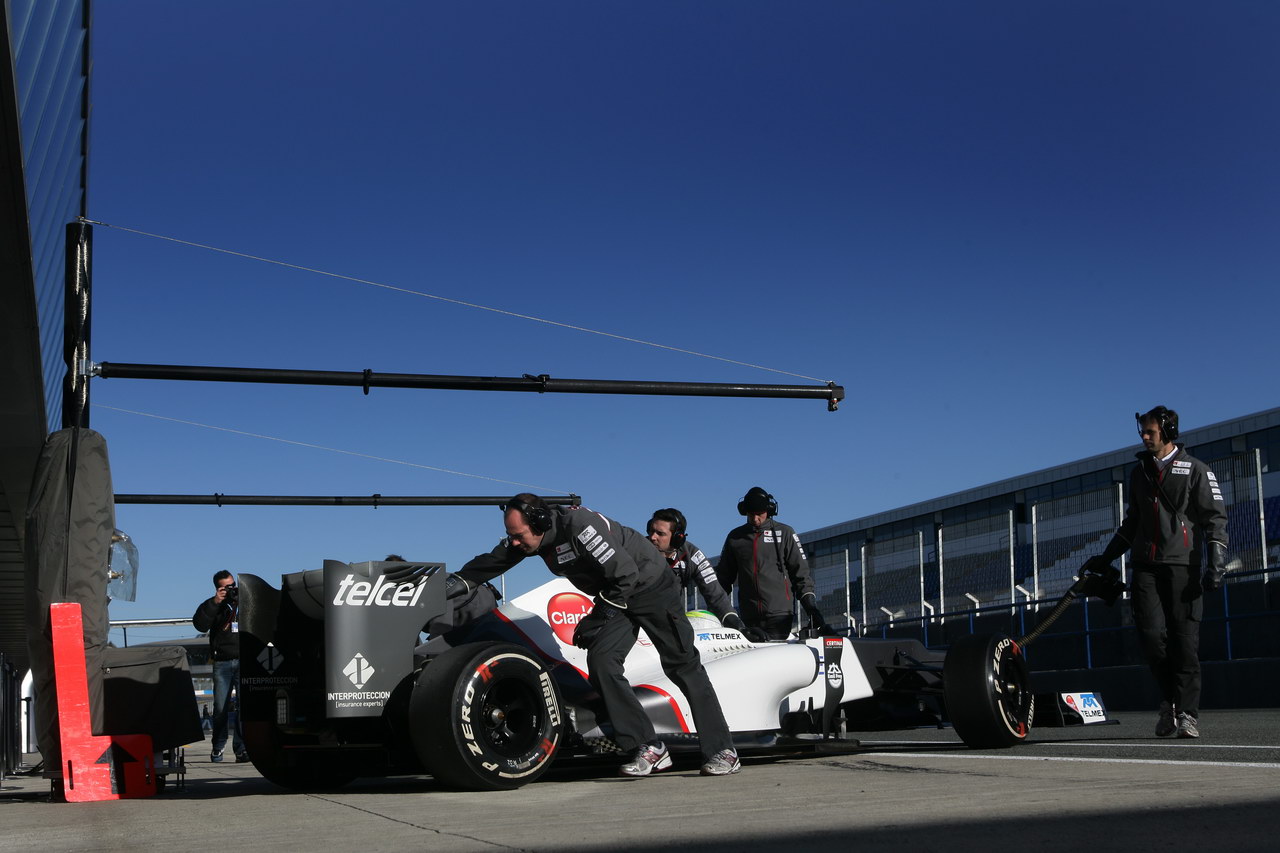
[691, 567]
[633, 589]
[1172, 495]
[765, 560]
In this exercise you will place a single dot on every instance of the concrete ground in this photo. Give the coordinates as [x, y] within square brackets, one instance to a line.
[1101, 787]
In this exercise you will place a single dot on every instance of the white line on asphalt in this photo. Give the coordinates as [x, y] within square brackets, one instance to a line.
[1180, 744]
[972, 757]
[1163, 744]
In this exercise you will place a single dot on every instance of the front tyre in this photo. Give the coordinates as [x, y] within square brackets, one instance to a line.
[987, 689]
[486, 716]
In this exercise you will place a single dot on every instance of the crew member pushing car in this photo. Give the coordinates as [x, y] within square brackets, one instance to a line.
[633, 589]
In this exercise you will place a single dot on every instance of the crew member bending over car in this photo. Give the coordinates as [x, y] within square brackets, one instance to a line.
[691, 567]
[1171, 494]
[764, 558]
[633, 589]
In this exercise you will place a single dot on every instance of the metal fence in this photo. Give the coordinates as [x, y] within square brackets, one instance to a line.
[1003, 561]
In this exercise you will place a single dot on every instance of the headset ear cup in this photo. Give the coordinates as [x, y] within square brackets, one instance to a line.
[539, 519]
[742, 507]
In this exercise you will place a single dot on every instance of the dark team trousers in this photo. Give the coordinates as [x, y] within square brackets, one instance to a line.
[778, 627]
[659, 609]
[1167, 605]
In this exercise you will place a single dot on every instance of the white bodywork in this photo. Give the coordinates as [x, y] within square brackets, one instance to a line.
[756, 682]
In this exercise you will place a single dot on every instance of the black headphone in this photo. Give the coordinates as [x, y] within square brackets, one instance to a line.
[1166, 419]
[678, 525]
[536, 513]
[759, 494]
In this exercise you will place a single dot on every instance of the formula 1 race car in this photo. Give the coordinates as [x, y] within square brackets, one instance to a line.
[334, 685]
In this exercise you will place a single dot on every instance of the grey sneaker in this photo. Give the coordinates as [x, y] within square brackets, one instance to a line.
[215, 756]
[1188, 726]
[649, 758]
[1166, 724]
[722, 763]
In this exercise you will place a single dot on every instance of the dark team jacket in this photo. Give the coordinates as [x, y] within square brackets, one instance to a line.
[596, 554]
[769, 567]
[1170, 512]
[216, 619]
[692, 567]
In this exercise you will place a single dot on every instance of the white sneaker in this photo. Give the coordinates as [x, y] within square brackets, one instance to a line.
[649, 758]
[722, 763]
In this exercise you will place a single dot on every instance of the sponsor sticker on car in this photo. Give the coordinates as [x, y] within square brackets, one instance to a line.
[1087, 705]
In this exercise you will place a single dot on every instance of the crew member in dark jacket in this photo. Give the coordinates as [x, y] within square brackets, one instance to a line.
[218, 616]
[1175, 511]
[691, 567]
[765, 560]
[633, 589]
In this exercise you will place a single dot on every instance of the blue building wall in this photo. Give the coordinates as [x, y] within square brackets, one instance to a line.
[50, 42]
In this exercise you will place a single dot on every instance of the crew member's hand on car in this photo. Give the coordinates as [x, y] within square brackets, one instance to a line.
[591, 626]
[734, 621]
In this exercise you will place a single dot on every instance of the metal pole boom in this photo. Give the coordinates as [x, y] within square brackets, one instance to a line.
[335, 500]
[542, 383]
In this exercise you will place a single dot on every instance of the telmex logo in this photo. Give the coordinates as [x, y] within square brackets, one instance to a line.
[564, 611]
[381, 593]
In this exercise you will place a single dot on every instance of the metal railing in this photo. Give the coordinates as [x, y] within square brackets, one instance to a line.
[1239, 623]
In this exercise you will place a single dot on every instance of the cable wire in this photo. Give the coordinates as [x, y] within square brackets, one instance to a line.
[529, 486]
[450, 300]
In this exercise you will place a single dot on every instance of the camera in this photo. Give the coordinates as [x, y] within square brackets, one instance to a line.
[233, 594]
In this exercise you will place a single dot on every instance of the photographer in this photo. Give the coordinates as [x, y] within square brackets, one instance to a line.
[218, 617]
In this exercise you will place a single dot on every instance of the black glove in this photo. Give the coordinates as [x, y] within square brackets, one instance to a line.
[734, 621]
[809, 603]
[1096, 566]
[1217, 567]
[455, 585]
[756, 635]
[590, 627]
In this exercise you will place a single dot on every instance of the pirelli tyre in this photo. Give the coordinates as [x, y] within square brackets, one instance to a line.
[486, 716]
[987, 691]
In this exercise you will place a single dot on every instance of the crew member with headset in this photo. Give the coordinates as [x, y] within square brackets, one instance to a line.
[633, 589]
[1175, 509]
[691, 567]
[765, 560]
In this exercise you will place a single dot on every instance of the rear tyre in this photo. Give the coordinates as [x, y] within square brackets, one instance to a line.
[486, 716]
[987, 690]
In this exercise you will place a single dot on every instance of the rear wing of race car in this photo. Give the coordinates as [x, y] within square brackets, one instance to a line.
[344, 630]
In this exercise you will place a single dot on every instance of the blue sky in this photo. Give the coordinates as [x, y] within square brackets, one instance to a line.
[1002, 226]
